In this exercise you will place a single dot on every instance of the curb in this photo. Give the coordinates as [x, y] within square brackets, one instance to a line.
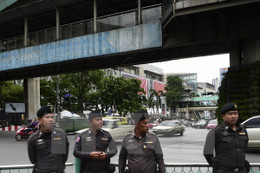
[10, 128]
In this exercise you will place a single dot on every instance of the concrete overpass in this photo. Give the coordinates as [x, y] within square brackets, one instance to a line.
[38, 37]
[188, 29]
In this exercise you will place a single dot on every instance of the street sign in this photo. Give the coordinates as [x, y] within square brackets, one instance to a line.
[14, 108]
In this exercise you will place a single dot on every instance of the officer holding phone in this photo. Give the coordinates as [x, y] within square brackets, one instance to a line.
[95, 147]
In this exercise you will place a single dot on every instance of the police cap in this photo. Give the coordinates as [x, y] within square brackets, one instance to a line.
[94, 114]
[45, 110]
[140, 115]
[228, 107]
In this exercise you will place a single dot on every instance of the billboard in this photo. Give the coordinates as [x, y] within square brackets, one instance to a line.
[14, 108]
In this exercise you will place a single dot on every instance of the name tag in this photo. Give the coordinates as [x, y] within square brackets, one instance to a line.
[57, 139]
[242, 133]
[89, 139]
[40, 141]
[149, 142]
[104, 139]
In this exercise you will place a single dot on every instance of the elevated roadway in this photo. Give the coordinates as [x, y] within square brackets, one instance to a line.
[188, 29]
[50, 37]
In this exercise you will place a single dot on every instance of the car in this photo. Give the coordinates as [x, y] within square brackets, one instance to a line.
[201, 124]
[121, 120]
[188, 123]
[169, 127]
[212, 124]
[253, 129]
[114, 127]
[72, 124]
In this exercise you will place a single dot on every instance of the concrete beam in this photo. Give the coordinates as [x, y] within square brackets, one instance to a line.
[202, 108]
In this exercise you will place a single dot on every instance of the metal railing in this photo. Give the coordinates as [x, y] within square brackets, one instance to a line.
[21, 168]
[170, 168]
[85, 27]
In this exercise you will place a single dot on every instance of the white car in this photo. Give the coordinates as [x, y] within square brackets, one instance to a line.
[170, 127]
[253, 129]
[116, 130]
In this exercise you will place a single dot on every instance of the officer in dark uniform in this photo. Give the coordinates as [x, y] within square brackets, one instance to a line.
[48, 147]
[229, 140]
[95, 147]
[141, 148]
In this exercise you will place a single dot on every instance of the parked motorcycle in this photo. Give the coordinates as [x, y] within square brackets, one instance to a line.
[24, 133]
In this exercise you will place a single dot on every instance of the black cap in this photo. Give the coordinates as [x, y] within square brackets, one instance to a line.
[94, 114]
[45, 110]
[140, 115]
[228, 107]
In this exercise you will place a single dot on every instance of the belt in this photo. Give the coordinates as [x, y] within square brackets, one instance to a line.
[60, 171]
[96, 169]
[231, 169]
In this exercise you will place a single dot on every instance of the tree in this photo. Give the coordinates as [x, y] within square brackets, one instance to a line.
[10, 92]
[79, 86]
[193, 94]
[88, 90]
[48, 91]
[174, 90]
[122, 95]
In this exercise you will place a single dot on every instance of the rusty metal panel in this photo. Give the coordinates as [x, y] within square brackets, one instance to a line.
[116, 41]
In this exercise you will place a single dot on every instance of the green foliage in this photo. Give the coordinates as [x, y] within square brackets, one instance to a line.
[174, 90]
[223, 97]
[48, 91]
[89, 90]
[79, 86]
[10, 92]
[124, 95]
[241, 86]
[192, 94]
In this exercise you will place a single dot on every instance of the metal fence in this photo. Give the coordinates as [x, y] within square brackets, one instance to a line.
[170, 168]
[24, 168]
[80, 28]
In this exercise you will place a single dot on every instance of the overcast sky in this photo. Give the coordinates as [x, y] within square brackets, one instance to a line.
[206, 67]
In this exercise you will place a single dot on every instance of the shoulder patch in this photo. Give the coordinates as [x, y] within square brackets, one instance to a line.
[78, 139]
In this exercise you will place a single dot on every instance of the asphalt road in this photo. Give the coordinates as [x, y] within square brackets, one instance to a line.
[177, 149]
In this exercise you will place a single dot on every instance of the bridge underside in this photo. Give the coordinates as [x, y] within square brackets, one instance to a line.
[115, 60]
[187, 34]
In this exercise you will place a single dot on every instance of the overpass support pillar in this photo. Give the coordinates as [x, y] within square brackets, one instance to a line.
[32, 97]
[245, 51]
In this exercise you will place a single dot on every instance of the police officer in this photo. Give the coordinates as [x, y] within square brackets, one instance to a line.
[141, 148]
[229, 140]
[95, 147]
[48, 147]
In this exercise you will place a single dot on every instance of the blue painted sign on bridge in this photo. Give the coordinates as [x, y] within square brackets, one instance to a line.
[116, 41]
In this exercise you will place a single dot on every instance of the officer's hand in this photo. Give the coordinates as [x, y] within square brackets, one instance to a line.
[95, 155]
[102, 156]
